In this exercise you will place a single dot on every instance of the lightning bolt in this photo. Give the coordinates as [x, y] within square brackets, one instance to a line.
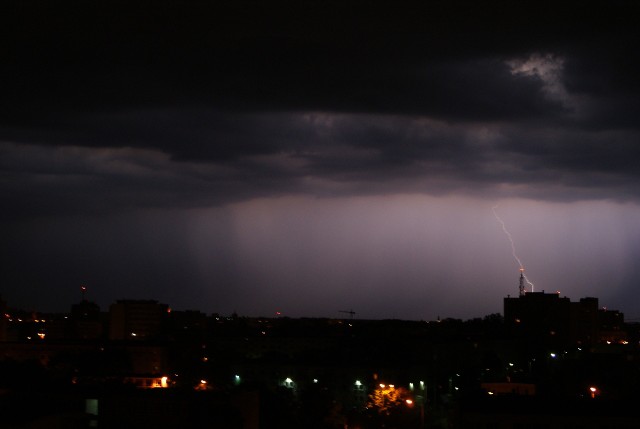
[513, 245]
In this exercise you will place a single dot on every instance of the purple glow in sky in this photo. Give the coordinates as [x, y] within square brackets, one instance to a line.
[319, 157]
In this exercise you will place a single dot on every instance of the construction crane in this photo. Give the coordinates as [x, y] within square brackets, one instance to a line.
[350, 312]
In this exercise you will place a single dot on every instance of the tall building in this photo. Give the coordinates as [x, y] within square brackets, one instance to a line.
[137, 320]
[540, 317]
[550, 320]
[86, 320]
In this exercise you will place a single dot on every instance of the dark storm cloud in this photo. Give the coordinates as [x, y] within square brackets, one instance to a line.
[435, 58]
[110, 105]
[38, 181]
[354, 56]
[322, 154]
[177, 152]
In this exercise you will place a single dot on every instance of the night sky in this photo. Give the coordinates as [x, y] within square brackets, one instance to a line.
[310, 157]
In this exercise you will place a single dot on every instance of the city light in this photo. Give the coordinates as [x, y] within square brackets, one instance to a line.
[203, 385]
[288, 382]
[387, 398]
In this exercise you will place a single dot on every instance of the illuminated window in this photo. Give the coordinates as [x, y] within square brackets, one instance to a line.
[91, 406]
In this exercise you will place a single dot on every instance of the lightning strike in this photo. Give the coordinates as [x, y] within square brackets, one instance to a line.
[513, 246]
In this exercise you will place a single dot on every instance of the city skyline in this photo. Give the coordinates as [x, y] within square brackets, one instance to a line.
[310, 157]
[525, 287]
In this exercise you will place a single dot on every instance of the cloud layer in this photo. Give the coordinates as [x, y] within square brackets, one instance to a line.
[159, 114]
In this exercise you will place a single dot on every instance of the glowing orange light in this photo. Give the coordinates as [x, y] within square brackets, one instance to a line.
[202, 385]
